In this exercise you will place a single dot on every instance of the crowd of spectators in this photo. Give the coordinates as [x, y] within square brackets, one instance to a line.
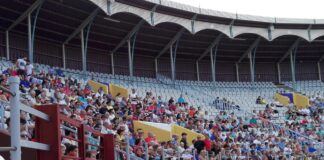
[226, 136]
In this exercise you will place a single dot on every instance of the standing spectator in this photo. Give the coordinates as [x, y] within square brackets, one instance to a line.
[21, 65]
[133, 97]
[29, 68]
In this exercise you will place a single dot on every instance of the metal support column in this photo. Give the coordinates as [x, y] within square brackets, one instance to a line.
[15, 118]
[279, 72]
[237, 72]
[84, 30]
[7, 46]
[31, 23]
[213, 54]
[156, 67]
[319, 71]
[173, 56]
[290, 50]
[31, 33]
[131, 49]
[64, 56]
[172, 63]
[252, 64]
[112, 64]
[197, 68]
[84, 62]
[130, 66]
[251, 67]
[293, 65]
[319, 68]
[84, 44]
[30, 46]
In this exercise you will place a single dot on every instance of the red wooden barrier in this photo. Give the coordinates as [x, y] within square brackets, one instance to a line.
[49, 132]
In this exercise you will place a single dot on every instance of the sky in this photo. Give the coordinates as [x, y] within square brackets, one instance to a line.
[306, 9]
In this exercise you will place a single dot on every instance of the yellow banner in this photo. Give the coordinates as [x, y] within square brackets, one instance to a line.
[161, 134]
[301, 101]
[114, 90]
[282, 99]
[96, 85]
[191, 135]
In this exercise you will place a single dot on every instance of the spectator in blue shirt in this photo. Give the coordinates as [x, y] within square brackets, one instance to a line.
[181, 100]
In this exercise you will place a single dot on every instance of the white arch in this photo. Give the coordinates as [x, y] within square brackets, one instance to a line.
[119, 8]
[199, 26]
[302, 33]
[102, 4]
[316, 33]
[161, 18]
[239, 30]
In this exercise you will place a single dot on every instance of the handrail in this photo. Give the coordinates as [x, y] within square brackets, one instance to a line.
[2, 116]
[6, 149]
[35, 145]
[16, 107]
[7, 90]
[34, 112]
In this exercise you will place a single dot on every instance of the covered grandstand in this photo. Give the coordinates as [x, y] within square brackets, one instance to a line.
[238, 42]
[199, 72]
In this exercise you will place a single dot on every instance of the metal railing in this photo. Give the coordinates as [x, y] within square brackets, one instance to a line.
[2, 115]
[16, 107]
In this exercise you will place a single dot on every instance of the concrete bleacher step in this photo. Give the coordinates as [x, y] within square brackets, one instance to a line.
[287, 88]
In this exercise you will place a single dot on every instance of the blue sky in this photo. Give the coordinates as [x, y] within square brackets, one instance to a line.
[309, 9]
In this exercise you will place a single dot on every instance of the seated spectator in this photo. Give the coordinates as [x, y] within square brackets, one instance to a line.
[107, 128]
[151, 138]
[71, 152]
[199, 145]
[184, 140]
[258, 100]
[253, 122]
[181, 100]
[171, 101]
[91, 155]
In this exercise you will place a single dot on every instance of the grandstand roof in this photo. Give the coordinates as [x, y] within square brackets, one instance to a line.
[59, 18]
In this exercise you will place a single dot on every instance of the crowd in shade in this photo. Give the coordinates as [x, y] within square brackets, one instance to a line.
[226, 136]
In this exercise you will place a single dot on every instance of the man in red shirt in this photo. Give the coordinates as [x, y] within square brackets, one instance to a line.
[207, 142]
[150, 138]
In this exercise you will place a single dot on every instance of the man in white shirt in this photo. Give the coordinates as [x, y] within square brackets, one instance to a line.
[133, 97]
[100, 93]
[29, 68]
[32, 98]
[21, 65]
[107, 128]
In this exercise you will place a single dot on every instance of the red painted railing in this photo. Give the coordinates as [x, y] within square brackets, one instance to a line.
[49, 132]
